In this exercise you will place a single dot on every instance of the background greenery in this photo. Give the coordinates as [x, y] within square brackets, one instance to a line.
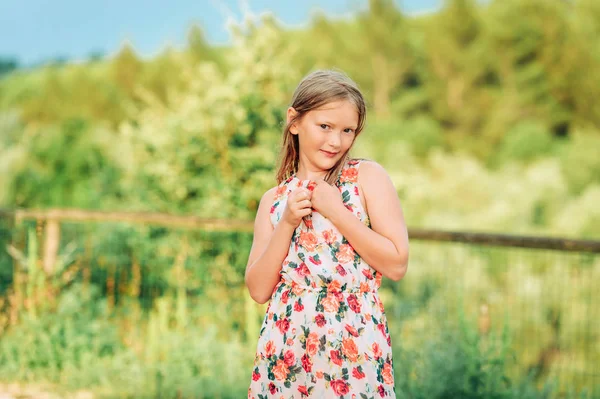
[485, 116]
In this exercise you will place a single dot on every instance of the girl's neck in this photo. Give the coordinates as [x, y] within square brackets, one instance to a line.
[304, 174]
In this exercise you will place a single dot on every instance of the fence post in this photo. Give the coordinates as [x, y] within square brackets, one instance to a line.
[51, 243]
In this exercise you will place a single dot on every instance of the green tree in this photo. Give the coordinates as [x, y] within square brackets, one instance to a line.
[532, 43]
[584, 64]
[374, 49]
[386, 33]
[197, 46]
[163, 75]
[126, 69]
[211, 151]
[44, 103]
[456, 73]
[64, 166]
[8, 65]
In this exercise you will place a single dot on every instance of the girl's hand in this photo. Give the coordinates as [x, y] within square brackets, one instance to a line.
[326, 199]
[298, 205]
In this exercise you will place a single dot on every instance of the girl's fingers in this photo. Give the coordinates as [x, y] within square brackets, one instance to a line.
[304, 204]
[303, 194]
[300, 205]
[305, 212]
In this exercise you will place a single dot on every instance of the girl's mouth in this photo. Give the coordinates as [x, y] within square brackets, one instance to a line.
[329, 154]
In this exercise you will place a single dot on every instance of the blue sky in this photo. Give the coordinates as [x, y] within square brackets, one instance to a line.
[35, 30]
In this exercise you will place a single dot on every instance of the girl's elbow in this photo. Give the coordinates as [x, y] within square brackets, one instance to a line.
[257, 296]
[399, 270]
[260, 299]
[256, 289]
[398, 274]
[398, 265]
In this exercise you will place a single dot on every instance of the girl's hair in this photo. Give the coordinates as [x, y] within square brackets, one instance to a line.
[314, 91]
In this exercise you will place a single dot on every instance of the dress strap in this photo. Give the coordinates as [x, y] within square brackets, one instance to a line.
[349, 174]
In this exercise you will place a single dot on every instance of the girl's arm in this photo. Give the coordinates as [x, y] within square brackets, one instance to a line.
[384, 246]
[270, 245]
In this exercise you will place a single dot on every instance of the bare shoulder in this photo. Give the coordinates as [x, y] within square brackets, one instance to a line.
[372, 173]
[269, 195]
[385, 210]
[267, 200]
[376, 185]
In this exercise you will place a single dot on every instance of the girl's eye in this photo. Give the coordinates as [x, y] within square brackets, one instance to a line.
[325, 126]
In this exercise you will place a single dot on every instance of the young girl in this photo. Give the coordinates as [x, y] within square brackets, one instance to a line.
[323, 238]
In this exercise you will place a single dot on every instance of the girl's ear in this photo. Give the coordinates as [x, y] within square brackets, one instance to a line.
[291, 113]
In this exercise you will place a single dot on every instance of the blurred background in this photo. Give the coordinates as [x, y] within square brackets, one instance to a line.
[137, 139]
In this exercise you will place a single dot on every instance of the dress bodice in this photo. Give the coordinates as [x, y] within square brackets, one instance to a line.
[319, 254]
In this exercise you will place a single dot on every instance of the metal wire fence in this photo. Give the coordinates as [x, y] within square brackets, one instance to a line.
[154, 277]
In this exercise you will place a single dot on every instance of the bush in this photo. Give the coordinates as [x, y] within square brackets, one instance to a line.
[580, 162]
[458, 362]
[525, 142]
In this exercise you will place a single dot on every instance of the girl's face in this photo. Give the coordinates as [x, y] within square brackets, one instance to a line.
[325, 134]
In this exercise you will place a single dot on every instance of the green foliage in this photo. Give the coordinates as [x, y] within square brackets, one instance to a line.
[125, 69]
[217, 147]
[7, 65]
[203, 140]
[457, 362]
[67, 165]
[178, 320]
[198, 48]
[475, 69]
[580, 162]
[47, 346]
[512, 85]
[526, 142]
[423, 135]
[79, 346]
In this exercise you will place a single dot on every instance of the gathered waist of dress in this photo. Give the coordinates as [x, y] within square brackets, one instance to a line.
[333, 287]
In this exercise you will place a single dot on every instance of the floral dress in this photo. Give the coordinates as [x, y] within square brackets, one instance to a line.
[325, 333]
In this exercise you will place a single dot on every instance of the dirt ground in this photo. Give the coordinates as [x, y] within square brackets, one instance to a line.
[17, 391]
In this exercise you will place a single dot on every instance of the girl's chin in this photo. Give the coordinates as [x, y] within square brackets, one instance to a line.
[328, 163]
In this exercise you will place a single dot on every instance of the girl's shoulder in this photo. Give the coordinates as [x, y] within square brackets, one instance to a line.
[356, 169]
[364, 172]
[372, 170]
[270, 195]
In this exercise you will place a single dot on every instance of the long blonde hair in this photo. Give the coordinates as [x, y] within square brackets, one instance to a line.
[314, 91]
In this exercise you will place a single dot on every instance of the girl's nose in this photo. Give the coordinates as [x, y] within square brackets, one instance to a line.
[335, 140]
